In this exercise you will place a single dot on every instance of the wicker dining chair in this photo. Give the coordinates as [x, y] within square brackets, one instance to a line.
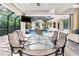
[54, 37]
[14, 43]
[21, 37]
[61, 42]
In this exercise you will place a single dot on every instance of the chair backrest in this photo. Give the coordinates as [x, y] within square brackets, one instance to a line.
[20, 34]
[61, 40]
[14, 40]
[55, 35]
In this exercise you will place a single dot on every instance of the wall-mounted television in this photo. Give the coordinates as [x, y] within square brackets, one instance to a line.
[25, 19]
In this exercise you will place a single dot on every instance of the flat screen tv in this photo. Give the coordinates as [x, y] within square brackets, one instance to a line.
[25, 19]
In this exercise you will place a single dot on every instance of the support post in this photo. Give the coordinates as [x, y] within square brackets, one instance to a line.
[8, 22]
[15, 23]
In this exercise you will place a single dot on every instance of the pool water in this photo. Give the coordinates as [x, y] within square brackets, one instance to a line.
[33, 32]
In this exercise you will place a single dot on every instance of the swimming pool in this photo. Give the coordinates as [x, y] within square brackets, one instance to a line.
[45, 32]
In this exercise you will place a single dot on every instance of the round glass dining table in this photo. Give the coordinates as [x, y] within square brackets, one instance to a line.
[39, 45]
[39, 42]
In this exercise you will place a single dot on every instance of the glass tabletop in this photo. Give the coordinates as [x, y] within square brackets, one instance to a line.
[39, 42]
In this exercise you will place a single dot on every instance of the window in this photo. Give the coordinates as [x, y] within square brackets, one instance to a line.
[54, 25]
[37, 24]
[28, 25]
[50, 24]
[17, 23]
[45, 24]
[4, 23]
[65, 24]
[58, 25]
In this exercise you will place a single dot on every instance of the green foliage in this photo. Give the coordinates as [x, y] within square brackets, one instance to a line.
[65, 22]
[45, 24]
[28, 25]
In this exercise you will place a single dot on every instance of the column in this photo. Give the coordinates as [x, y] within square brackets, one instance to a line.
[56, 25]
[33, 25]
[23, 27]
[76, 19]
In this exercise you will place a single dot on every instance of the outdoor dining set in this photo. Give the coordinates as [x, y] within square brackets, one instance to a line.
[37, 45]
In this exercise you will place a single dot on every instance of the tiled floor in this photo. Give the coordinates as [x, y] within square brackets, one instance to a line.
[5, 49]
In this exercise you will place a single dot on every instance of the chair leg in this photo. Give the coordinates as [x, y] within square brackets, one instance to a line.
[54, 42]
[62, 51]
[56, 54]
[11, 51]
[20, 53]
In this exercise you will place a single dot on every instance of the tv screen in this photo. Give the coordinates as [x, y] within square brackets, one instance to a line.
[25, 19]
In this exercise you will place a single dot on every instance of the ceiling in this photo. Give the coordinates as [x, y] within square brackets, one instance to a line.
[41, 9]
[55, 8]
